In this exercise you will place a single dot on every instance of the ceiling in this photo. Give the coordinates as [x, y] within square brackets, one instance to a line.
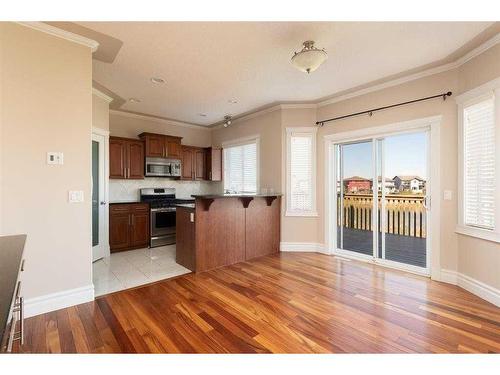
[206, 65]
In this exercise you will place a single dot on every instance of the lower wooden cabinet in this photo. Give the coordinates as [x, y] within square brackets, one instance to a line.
[128, 226]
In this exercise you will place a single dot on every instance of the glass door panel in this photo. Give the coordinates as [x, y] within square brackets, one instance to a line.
[403, 168]
[354, 186]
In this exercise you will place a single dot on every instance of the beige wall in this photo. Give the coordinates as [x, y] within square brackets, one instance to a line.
[46, 106]
[131, 127]
[268, 127]
[100, 113]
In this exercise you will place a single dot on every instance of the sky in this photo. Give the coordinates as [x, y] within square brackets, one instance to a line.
[404, 155]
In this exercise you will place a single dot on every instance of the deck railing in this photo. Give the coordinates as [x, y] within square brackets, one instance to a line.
[405, 214]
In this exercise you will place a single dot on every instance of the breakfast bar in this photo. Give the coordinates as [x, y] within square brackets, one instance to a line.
[219, 230]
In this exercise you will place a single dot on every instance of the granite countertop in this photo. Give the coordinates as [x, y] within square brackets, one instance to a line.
[215, 196]
[11, 255]
[185, 205]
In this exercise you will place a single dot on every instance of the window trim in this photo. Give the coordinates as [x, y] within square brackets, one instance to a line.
[471, 97]
[241, 142]
[312, 131]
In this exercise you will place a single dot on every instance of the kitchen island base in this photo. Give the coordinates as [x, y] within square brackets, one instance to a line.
[223, 230]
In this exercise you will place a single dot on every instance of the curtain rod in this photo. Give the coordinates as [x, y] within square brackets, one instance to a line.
[370, 111]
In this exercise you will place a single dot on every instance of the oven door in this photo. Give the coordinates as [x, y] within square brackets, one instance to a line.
[162, 221]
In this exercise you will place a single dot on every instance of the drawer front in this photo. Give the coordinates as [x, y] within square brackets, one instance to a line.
[139, 207]
[119, 208]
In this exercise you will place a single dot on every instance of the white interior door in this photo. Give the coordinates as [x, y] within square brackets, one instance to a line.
[100, 236]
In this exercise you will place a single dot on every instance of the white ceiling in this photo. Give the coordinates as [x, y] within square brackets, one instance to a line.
[206, 64]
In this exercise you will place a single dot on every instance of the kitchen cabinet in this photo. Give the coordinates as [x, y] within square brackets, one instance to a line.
[193, 163]
[213, 164]
[199, 164]
[128, 226]
[126, 158]
[174, 147]
[187, 163]
[161, 146]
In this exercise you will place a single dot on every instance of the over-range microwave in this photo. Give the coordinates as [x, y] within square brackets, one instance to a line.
[160, 167]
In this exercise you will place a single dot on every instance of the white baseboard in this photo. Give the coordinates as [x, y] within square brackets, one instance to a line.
[307, 247]
[59, 300]
[480, 289]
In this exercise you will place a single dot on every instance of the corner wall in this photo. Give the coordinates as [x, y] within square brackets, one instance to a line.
[46, 99]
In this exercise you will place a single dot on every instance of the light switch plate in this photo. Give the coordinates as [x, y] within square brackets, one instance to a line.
[447, 195]
[75, 196]
[54, 158]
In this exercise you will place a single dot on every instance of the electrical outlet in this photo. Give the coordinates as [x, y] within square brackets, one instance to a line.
[75, 196]
[54, 158]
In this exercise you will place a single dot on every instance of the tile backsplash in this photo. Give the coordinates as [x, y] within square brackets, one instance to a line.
[128, 190]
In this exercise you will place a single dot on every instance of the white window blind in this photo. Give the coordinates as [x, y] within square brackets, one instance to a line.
[479, 164]
[301, 172]
[240, 168]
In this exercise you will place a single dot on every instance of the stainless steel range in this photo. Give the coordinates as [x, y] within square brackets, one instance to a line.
[162, 203]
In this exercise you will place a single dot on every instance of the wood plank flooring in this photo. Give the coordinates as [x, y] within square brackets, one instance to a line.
[284, 303]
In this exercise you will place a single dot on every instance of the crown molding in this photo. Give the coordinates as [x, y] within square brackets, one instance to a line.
[412, 77]
[101, 95]
[158, 119]
[54, 31]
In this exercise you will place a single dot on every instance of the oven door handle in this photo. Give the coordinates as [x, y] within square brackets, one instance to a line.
[171, 209]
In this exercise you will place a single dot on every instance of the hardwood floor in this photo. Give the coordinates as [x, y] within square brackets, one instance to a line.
[288, 302]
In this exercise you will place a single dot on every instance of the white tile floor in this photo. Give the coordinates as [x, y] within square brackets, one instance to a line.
[132, 268]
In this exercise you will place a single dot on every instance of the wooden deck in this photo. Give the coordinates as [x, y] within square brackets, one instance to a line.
[284, 303]
[399, 248]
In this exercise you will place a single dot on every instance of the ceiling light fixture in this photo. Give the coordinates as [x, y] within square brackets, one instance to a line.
[134, 100]
[157, 80]
[232, 101]
[227, 121]
[310, 58]
[202, 114]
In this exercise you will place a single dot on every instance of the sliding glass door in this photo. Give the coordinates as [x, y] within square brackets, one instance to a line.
[355, 197]
[381, 187]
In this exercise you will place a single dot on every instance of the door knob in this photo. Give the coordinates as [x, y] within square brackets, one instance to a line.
[103, 203]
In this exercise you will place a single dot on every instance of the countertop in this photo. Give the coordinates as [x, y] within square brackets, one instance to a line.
[11, 255]
[186, 205]
[216, 196]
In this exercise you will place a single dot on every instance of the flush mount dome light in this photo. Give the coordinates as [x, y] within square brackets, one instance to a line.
[310, 58]
[134, 100]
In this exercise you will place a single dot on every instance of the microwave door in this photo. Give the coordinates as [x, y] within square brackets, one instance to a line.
[158, 169]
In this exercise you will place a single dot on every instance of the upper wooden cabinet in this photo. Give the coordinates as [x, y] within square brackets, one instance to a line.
[213, 164]
[174, 147]
[193, 163]
[126, 158]
[161, 146]
[187, 163]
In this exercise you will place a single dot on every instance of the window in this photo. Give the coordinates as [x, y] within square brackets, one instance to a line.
[241, 166]
[479, 158]
[301, 172]
[479, 164]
